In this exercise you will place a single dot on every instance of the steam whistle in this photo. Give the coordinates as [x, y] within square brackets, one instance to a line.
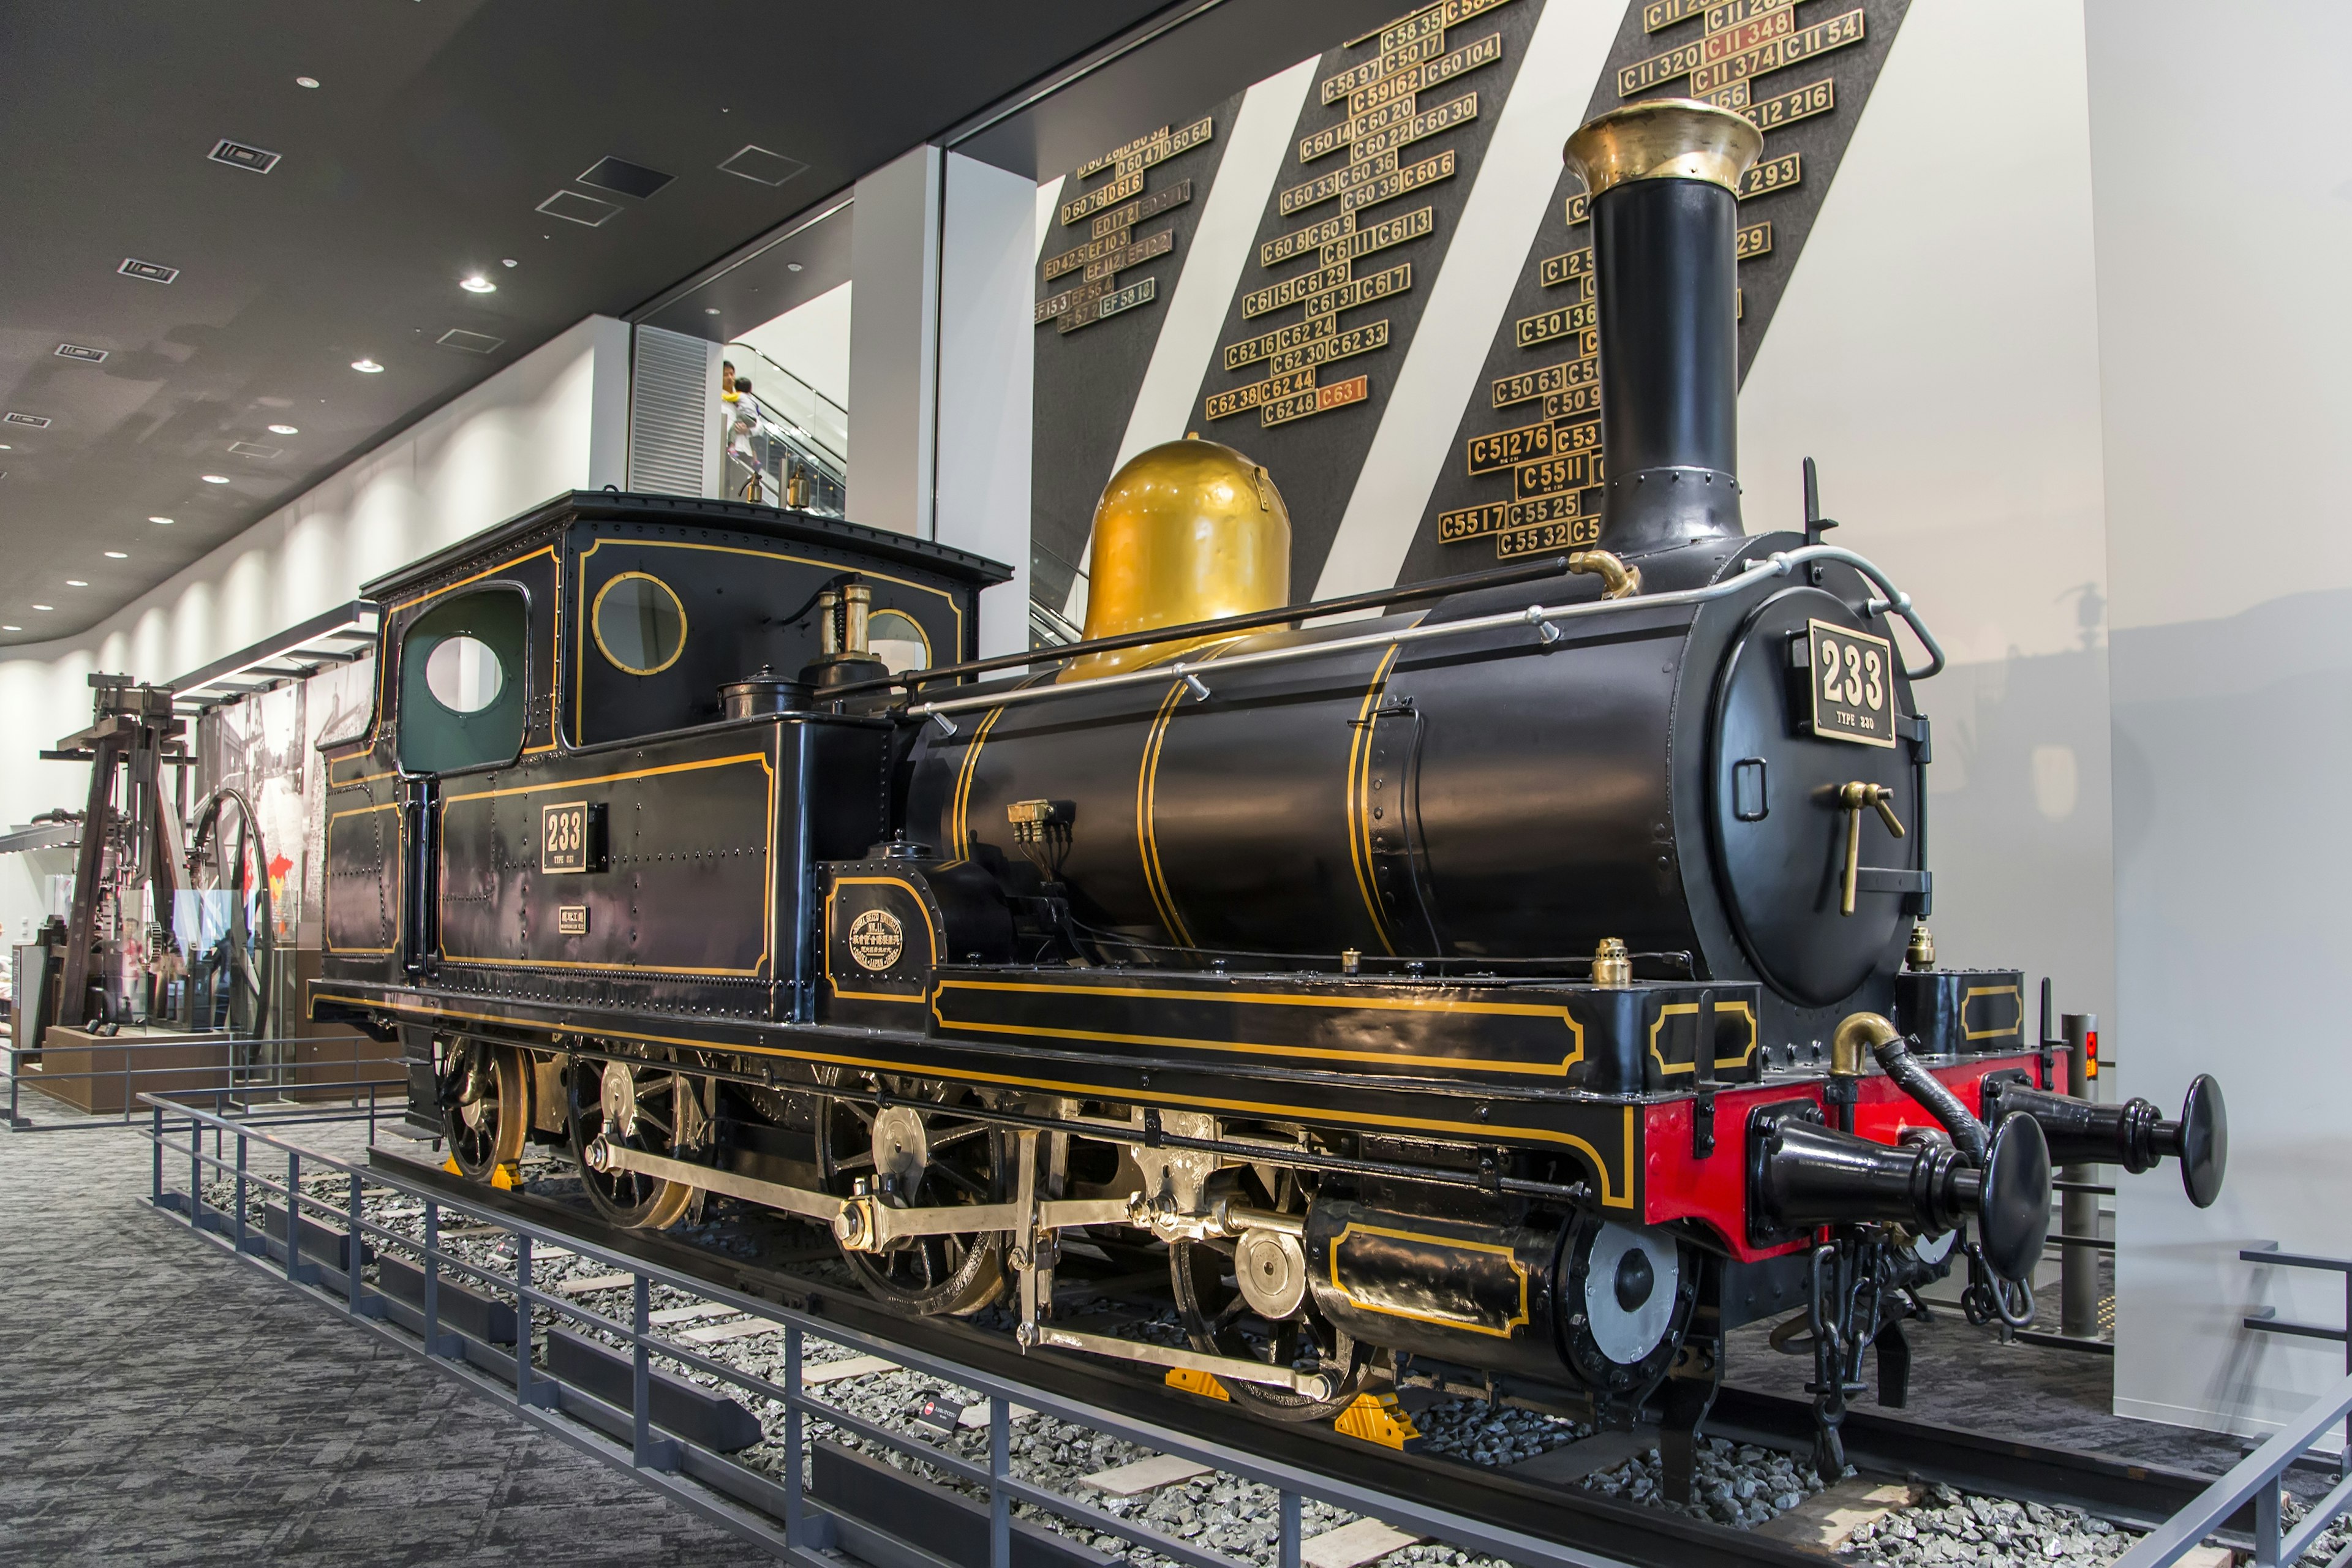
[1803, 1174]
[2133, 1134]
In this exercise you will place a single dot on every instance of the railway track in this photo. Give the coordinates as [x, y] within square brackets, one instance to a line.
[2129, 1494]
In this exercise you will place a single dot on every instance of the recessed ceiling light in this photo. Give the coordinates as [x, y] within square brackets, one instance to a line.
[306, 81]
[11, 628]
[164, 520]
[792, 267]
[45, 606]
[5, 448]
[118, 555]
[367, 367]
[240, 155]
[710, 310]
[285, 430]
[478, 284]
[215, 479]
[511, 261]
[75, 583]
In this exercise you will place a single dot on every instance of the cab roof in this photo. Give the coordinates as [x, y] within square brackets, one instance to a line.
[691, 512]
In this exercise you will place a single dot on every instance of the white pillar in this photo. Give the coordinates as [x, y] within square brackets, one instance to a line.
[986, 371]
[894, 262]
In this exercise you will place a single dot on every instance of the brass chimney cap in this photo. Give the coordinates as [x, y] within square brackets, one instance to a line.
[1665, 139]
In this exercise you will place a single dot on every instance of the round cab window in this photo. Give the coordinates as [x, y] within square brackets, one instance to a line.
[463, 674]
[898, 641]
[639, 623]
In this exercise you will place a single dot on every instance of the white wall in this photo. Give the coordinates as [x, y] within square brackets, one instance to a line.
[555, 420]
[2222, 350]
[1937, 353]
[812, 341]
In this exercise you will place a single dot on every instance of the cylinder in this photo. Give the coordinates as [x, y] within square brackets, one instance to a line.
[1663, 176]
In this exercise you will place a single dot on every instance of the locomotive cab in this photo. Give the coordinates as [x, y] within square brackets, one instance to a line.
[553, 794]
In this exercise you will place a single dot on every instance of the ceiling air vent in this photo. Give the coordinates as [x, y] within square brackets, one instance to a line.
[470, 343]
[30, 421]
[574, 207]
[237, 155]
[629, 179]
[152, 271]
[252, 449]
[759, 163]
[87, 356]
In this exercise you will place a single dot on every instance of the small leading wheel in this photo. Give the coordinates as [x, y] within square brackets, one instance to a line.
[485, 1107]
[642, 1106]
[1220, 1321]
[917, 1152]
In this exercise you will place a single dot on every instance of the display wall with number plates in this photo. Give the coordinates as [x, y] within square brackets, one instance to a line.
[1351, 273]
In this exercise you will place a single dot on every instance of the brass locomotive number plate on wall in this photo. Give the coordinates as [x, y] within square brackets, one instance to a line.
[1853, 682]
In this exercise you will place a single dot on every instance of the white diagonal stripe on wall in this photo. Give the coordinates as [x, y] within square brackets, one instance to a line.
[1049, 202]
[1220, 248]
[1565, 55]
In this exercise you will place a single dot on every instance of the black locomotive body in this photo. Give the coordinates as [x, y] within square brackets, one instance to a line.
[1529, 980]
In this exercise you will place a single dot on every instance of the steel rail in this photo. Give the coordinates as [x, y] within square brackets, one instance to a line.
[1540, 619]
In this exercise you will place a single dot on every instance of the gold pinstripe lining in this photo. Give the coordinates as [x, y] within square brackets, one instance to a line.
[1616, 1186]
[768, 892]
[1243, 1047]
[1359, 824]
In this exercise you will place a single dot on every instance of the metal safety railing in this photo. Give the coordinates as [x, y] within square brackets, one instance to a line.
[2258, 1479]
[785, 1517]
[115, 1068]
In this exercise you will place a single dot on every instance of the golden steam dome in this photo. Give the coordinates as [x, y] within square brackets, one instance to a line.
[1191, 531]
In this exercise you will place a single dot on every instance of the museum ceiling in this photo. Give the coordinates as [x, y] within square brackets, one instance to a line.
[200, 246]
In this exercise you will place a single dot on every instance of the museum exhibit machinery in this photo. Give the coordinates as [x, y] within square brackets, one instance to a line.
[1526, 974]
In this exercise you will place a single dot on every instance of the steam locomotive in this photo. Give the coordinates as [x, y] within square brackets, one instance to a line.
[1525, 973]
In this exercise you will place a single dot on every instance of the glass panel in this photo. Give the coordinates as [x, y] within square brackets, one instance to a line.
[895, 639]
[640, 624]
[464, 675]
[461, 675]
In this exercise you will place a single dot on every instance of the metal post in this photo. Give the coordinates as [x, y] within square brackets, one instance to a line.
[641, 1373]
[354, 1249]
[523, 1319]
[2078, 1267]
[158, 1136]
[432, 1278]
[195, 1174]
[1289, 1543]
[293, 1211]
[794, 1530]
[242, 1151]
[1000, 1467]
[2267, 1524]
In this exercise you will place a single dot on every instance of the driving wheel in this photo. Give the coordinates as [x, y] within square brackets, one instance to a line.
[1220, 1319]
[644, 1106]
[485, 1107]
[918, 1151]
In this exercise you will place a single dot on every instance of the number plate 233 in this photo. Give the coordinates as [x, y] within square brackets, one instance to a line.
[571, 837]
[1852, 683]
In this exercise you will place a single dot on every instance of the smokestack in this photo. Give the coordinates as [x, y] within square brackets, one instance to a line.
[1663, 176]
